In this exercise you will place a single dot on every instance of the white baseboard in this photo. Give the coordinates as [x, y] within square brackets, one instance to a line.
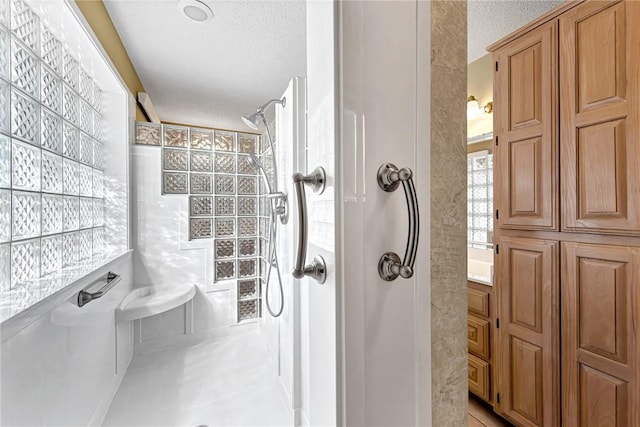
[191, 338]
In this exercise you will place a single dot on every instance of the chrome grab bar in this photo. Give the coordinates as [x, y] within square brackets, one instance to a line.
[390, 266]
[317, 269]
[110, 279]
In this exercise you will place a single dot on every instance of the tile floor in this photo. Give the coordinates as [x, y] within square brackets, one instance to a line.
[228, 382]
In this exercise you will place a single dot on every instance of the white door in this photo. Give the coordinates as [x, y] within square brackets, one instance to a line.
[366, 341]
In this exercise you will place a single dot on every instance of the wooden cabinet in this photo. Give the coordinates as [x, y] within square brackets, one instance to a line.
[567, 186]
[526, 131]
[480, 339]
[528, 378]
[600, 347]
[600, 109]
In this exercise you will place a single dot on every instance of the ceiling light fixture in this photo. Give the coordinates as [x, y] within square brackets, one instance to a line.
[195, 10]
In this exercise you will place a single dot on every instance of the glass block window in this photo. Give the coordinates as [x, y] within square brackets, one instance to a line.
[51, 166]
[480, 200]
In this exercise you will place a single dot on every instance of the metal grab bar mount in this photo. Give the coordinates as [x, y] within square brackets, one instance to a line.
[110, 280]
[318, 268]
[390, 266]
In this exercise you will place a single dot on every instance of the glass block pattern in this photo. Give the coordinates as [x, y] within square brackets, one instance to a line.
[247, 226]
[225, 163]
[480, 200]
[175, 160]
[51, 173]
[201, 183]
[225, 248]
[174, 183]
[247, 185]
[244, 167]
[5, 161]
[201, 206]
[51, 214]
[70, 141]
[225, 184]
[200, 228]
[24, 69]
[85, 185]
[201, 139]
[25, 117]
[5, 215]
[49, 156]
[26, 166]
[71, 177]
[51, 254]
[175, 136]
[148, 134]
[225, 227]
[25, 25]
[25, 261]
[5, 107]
[86, 212]
[225, 206]
[247, 247]
[52, 51]
[224, 141]
[247, 206]
[247, 289]
[247, 268]
[247, 144]
[201, 161]
[71, 214]
[247, 310]
[50, 131]
[225, 270]
[25, 215]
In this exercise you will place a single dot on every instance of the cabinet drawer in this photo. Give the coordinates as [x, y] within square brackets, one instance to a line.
[478, 302]
[479, 377]
[478, 336]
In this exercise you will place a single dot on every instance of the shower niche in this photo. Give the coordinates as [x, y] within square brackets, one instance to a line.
[209, 169]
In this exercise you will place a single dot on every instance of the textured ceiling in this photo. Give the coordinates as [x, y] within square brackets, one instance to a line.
[490, 20]
[209, 74]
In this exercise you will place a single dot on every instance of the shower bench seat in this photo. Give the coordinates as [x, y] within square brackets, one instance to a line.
[150, 300]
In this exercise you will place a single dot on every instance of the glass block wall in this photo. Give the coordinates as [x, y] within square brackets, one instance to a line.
[210, 167]
[480, 200]
[51, 157]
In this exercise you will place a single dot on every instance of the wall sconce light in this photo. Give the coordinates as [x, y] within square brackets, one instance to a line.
[474, 110]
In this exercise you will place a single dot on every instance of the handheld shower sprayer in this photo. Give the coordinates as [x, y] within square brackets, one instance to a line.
[278, 202]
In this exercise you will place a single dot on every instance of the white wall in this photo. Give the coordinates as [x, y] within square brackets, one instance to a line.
[65, 367]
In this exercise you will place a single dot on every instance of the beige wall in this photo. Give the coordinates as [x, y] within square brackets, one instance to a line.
[480, 85]
[98, 18]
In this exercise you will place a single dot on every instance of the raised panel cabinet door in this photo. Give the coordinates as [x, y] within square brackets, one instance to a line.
[600, 346]
[525, 127]
[600, 110]
[479, 379]
[528, 365]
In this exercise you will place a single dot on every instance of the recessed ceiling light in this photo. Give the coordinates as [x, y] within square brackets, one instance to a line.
[195, 10]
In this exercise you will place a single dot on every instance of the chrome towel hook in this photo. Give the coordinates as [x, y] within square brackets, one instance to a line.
[317, 269]
[390, 266]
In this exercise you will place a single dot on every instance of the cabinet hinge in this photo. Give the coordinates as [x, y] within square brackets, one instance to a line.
[497, 214]
[496, 65]
[497, 323]
[498, 398]
[496, 141]
[497, 249]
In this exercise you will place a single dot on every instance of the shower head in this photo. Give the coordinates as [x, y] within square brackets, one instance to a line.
[252, 119]
[256, 164]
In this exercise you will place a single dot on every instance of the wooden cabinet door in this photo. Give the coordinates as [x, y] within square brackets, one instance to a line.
[600, 345]
[528, 379]
[600, 100]
[525, 125]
